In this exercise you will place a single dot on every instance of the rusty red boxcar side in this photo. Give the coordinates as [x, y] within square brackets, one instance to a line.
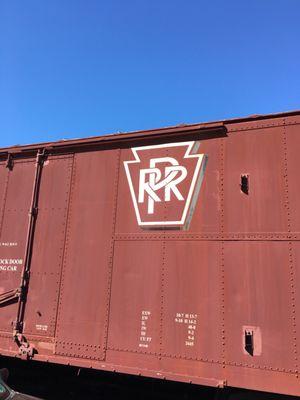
[171, 253]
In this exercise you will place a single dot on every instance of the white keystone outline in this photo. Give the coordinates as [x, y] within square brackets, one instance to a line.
[191, 146]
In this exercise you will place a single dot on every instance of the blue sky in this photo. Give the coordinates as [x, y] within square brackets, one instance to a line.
[76, 68]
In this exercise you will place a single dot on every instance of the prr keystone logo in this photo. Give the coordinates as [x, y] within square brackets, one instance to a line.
[164, 182]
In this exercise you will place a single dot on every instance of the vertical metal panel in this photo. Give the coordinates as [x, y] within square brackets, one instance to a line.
[13, 234]
[125, 221]
[259, 154]
[257, 294]
[207, 216]
[136, 297]
[4, 176]
[191, 300]
[295, 291]
[81, 325]
[293, 174]
[46, 262]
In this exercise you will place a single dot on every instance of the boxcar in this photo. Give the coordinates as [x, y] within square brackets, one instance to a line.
[172, 253]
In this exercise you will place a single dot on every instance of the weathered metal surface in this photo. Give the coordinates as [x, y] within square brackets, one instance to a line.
[81, 323]
[257, 296]
[47, 255]
[136, 300]
[171, 253]
[16, 206]
[251, 154]
[189, 312]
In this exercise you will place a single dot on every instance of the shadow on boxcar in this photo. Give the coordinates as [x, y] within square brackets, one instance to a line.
[57, 382]
[6, 393]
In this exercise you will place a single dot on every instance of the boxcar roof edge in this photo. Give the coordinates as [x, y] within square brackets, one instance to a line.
[212, 127]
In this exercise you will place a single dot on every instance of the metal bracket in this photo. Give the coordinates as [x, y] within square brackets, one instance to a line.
[26, 350]
[41, 156]
[33, 211]
[9, 296]
[9, 162]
